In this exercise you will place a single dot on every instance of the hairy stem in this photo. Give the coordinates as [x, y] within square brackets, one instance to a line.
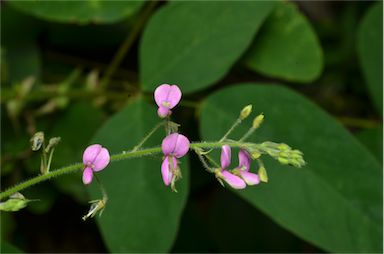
[121, 156]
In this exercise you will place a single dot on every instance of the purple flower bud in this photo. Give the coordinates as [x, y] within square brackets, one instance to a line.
[166, 169]
[176, 145]
[167, 97]
[225, 158]
[95, 158]
[244, 160]
[233, 180]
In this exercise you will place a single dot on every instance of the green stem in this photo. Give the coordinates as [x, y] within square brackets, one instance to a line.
[147, 137]
[235, 124]
[50, 159]
[121, 156]
[124, 48]
[103, 190]
[246, 135]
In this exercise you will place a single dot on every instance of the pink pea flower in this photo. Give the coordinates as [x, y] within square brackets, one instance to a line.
[167, 97]
[233, 180]
[95, 158]
[174, 146]
[244, 166]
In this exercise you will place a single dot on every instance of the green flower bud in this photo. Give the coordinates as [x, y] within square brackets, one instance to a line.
[245, 112]
[263, 174]
[255, 155]
[283, 161]
[53, 142]
[15, 203]
[257, 121]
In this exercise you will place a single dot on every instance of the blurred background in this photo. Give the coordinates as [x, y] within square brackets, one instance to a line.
[68, 67]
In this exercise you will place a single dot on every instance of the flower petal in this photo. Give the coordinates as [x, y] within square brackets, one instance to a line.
[244, 160]
[87, 175]
[174, 96]
[101, 160]
[166, 170]
[233, 180]
[169, 95]
[161, 94]
[175, 144]
[163, 111]
[225, 158]
[169, 143]
[182, 146]
[90, 153]
[250, 178]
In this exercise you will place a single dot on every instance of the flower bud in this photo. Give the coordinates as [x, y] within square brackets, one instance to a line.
[257, 121]
[255, 154]
[283, 161]
[245, 112]
[283, 147]
[53, 142]
[15, 203]
[37, 141]
[263, 174]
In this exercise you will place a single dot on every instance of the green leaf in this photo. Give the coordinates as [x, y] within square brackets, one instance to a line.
[82, 12]
[20, 52]
[373, 140]
[9, 248]
[335, 202]
[286, 47]
[194, 44]
[142, 214]
[370, 51]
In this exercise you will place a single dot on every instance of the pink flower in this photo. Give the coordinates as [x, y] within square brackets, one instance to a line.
[95, 158]
[244, 166]
[174, 146]
[233, 180]
[167, 97]
[241, 175]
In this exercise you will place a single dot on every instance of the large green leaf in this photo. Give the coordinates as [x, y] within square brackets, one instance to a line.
[85, 11]
[142, 214]
[194, 44]
[20, 52]
[286, 47]
[370, 50]
[335, 201]
[9, 248]
[373, 140]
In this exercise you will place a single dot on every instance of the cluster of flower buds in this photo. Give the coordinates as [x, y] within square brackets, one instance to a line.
[283, 153]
